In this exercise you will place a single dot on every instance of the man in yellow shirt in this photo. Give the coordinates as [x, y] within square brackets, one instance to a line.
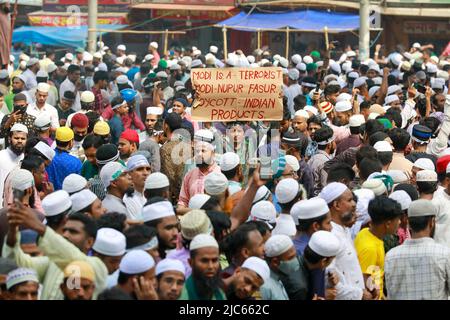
[385, 215]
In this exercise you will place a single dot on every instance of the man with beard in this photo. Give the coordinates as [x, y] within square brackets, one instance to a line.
[428, 259]
[116, 180]
[63, 163]
[205, 282]
[13, 155]
[128, 144]
[99, 89]
[79, 281]
[30, 74]
[138, 169]
[159, 214]
[193, 182]
[72, 84]
[79, 124]
[247, 279]
[18, 116]
[41, 106]
[64, 107]
[342, 208]
[170, 274]
[151, 121]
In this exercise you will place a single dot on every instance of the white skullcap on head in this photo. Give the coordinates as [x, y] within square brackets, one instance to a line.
[198, 62]
[373, 116]
[324, 243]
[216, 183]
[122, 47]
[56, 203]
[45, 149]
[20, 275]
[213, 49]
[98, 55]
[373, 90]
[362, 205]
[229, 161]
[347, 66]
[136, 262]
[170, 265]
[102, 67]
[311, 109]
[335, 67]
[301, 66]
[416, 45]
[154, 44]
[424, 164]
[389, 99]
[343, 106]
[87, 96]
[398, 176]
[332, 191]
[198, 200]
[157, 210]
[122, 79]
[110, 172]
[426, 176]
[74, 183]
[293, 162]
[308, 59]
[137, 161]
[204, 135]
[376, 185]
[87, 56]
[383, 146]
[293, 74]
[18, 127]
[432, 68]
[356, 120]
[21, 179]
[359, 82]
[154, 110]
[203, 241]
[296, 59]
[402, 198]
[156, 180]
[261, 194]
[110, 242]
[42, 74]
[285, 225]
[344, 97]
[263, 211]
[393, 89]
[286, 190]
[82, 199]
[259, 266]
[277, 244]
[302, 113]
[309, 209]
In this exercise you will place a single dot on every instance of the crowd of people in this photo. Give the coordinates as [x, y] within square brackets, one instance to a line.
[110, 190]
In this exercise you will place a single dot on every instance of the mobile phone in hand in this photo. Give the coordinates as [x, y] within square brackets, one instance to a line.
[265, 170]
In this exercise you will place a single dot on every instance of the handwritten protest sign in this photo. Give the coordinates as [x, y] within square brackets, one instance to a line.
[233, 94]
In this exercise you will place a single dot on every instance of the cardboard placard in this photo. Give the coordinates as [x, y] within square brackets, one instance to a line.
[237, 94]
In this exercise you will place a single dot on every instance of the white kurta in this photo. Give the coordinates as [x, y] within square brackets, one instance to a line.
[34, 110]
[134, 205]
[8, 161]
[67, 85]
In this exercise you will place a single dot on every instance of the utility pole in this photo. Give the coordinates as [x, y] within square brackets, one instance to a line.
[92, 25]
[364, 30]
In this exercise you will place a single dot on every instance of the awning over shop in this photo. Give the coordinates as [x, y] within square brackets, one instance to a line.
[57, 36]
[63, 19]
[304, 20]
[187, 7]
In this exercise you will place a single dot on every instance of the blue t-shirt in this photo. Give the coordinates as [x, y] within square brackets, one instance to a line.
[61, 166]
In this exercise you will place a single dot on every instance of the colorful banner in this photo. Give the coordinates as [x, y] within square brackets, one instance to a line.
[192, 14]
[71, 21]
[232, 94]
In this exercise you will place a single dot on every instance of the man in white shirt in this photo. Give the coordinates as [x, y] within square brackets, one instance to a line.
[40, 106]
[293, 90]
[13, 155]
[72, 83]
[30, 73]
[138, 169]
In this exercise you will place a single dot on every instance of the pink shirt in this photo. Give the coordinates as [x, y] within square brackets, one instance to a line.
[194, 183]
[127, 119]
[403, 234]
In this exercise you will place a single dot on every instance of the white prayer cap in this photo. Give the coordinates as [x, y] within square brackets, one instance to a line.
[443, 75]
[373, 116]
[110, 172]
[87, 96]
[156, 180]
[277, 244]
[136, 262]
[154, 110]
[20, 275]
[296, 59]
[154, 44]
[228, 161]
[308, 59]
[293, 74]
[335, 67]
[396, 59]
[198, 200]
[359, 82]
[331, 78]
[376, 185]
[122, 47]
[364, 197]
[87, 56]
[213, 49]
[426, 176]
[12, 58]
[102, 67]
[398, 176]
[197, 63]
[309, 209]
[374, 67]
[56, 203]
[175, 67]
[344, 97]
[402, 198]
[347, 66]
[311, 109]
[32, 61]
[262, 194]
[351, 54]
[438, 83]
[293, 162]
[343, 106]
[324, 243]
[122, 79]
[356, 120]
[195, 222]
[377, 81]
[69, 56]
[373, 90]
[45, 149]
[432, 68]
[43, 121]
[263, 211]
[19, 128]
[21, 179]
[98, 55]
[157, 210]
[204, 135]
[383, 146]
[285, 225]
[389, 99]
[42, 74]
[216, 183]
[110, 242]
[393, 89]
[302, 113]
[301, 66]
[4, 74]
[332, 191]
[24, 57]
[276, 57]
[416, 45]
[74, 183]
[286, 190]
[259, 266]
[284, 62]
[170, 265]
[82, 199]
[424, 164]
[203, 241]
[422, 208]
[137, 161]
